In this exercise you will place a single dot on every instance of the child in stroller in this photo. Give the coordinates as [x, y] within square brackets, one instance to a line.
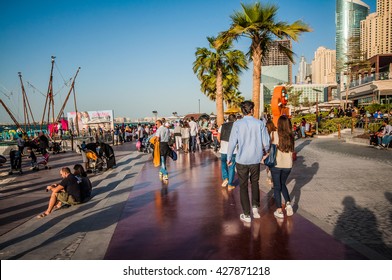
[36, 162]
[57, 147]
[147, 147]
[95, 162]
[16, 161]
[205, 137]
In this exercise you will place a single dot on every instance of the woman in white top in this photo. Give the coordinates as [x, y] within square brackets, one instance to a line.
[284, 140]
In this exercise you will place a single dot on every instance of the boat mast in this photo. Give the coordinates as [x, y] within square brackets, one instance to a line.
[49, 98]
[26, 102]
[76, 114]
[11, 116]
[69, 93]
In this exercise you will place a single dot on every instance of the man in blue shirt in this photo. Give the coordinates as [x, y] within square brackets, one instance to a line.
[251, 137]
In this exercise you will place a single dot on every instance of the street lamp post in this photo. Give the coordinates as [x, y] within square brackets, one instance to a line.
[155, 114]
[317, 111]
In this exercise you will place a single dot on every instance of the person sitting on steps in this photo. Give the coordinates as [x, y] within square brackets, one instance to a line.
[66, 192]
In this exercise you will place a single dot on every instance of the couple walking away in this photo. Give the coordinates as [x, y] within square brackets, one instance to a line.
[250, 136]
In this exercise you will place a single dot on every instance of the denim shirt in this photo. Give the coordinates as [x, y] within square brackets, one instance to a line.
[252, 138]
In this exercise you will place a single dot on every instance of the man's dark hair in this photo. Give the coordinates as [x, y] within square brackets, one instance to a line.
[247, 107]
[232, 118]
[66, 170]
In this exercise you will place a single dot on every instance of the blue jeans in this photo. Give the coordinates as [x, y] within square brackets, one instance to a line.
[228, 172]
[193, 144]
[303, 132]
[385, 140]
[279, 178]
[163, 169]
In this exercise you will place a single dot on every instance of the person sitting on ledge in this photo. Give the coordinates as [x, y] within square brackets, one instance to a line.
[385, 136]
[66, 192]
[84, 182]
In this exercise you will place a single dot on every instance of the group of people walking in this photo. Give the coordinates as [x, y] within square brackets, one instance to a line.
[244, 144]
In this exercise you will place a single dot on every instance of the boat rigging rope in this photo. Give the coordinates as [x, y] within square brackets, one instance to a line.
[35, 89]
[7, 95]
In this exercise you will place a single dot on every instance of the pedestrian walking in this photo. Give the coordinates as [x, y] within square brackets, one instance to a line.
[228, 172]
[177, 135]
[163, 135]
[193, 132]
[251, 136]
[283, 138]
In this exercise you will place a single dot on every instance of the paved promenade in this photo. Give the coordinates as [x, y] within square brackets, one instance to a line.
[341, 193]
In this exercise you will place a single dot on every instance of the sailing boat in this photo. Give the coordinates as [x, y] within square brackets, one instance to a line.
[51, 121]
[49, 103]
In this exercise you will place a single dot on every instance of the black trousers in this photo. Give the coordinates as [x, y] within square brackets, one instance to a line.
[246, 172]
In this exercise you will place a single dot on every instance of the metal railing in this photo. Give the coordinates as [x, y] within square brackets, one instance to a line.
[374, 77]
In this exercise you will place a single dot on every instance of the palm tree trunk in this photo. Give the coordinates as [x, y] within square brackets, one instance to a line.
[256, 57]
[219, 96]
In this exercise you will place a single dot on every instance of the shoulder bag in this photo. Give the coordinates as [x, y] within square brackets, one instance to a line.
[270, 161]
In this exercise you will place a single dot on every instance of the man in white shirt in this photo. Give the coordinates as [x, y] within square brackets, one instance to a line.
[163, 135]
[193, 132]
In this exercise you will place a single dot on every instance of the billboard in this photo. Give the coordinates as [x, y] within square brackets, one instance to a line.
[91, 119]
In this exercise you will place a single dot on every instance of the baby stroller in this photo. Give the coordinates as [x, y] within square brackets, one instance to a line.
[205, 139]
[146, 145]
[94, 161]
[16, 161]
[42, 160]
[57, 147]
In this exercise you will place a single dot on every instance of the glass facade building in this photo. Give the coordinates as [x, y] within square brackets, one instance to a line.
[349, 14]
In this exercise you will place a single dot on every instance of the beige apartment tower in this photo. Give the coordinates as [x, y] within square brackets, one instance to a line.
[376, 30]
[324, 66]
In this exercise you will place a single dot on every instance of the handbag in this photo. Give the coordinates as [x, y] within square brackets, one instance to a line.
[173, 154]
[270, 161]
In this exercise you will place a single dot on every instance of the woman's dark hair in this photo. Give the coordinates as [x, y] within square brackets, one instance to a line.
[247, 107]
[270, 126]
[79, 168]
[285, 133]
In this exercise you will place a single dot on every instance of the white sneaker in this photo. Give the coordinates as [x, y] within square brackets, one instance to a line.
[245, 218]
[225, 183]
[289, 209]
[256, 214]
[278, 214]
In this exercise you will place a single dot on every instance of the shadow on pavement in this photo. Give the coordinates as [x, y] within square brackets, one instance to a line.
[359, 224]
[302, 174]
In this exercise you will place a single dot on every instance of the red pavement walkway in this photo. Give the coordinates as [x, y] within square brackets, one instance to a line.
[193, 217]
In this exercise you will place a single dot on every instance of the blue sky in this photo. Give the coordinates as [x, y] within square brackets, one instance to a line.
[135, 56]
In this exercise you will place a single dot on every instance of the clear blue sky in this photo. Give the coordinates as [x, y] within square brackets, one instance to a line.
[135, 56]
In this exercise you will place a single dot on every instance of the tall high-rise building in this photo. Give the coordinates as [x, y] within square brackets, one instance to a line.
[276, 57]
[376, 30]
[277, 69]
[323, 66]
[349, 14]
[302, 71]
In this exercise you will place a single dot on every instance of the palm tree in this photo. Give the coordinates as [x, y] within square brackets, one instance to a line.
[233, 98]
[218, 69]
[258, 22]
